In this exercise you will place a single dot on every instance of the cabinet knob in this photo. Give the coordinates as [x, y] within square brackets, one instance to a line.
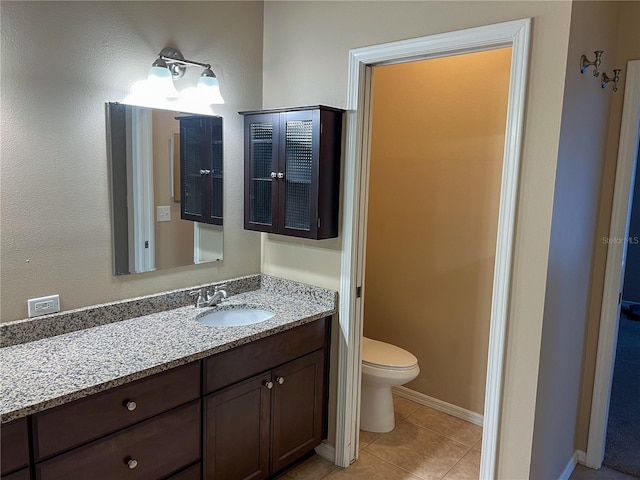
[132, 463]
[205, 172]
[280, 175]
[131, 405]
[268, 384]
[274, 174]
[280, 380]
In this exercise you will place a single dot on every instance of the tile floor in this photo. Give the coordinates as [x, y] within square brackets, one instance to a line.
[425, 445]
[583, 473]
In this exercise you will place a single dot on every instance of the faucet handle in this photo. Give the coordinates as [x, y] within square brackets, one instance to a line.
[219, 287]
[202, 294]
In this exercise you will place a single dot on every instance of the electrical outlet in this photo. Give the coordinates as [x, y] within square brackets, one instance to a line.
[43, 305]
[163, 214]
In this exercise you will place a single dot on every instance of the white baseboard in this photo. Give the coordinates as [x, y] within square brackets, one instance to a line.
[568, 470]
[581, 457]
[448, 408]
[326, 451]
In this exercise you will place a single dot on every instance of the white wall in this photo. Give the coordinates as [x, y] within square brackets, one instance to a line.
[581, 159]
[627, 48]
[306, 47]
[61, 61]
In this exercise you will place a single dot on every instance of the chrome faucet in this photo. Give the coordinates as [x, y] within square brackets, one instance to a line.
[205, 299]
[218, 295]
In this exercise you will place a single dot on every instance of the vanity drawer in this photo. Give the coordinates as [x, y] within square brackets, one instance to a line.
[70, 425]
[15, 445]
[224, 369]
[153, 449]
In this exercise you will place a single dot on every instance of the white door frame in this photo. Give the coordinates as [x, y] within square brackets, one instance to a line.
[614, 272]
[142, 173]
[514, 34]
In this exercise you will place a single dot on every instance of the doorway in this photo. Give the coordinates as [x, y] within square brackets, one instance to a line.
[623, 424]
[436, 153]
[513, 34]
[616, 252]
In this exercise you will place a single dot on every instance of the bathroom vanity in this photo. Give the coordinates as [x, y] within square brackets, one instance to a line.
[163, 397]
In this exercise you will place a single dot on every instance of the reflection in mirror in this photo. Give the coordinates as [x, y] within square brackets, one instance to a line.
[147, 229]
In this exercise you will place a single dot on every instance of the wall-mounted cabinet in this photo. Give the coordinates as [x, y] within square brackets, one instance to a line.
[201, 168]
[292, 171]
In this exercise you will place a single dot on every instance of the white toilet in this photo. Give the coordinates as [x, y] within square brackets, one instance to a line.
[383, 366]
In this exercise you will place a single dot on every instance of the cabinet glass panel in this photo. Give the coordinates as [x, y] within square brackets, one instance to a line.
[298, 169]
[260, 161]
[192, 140]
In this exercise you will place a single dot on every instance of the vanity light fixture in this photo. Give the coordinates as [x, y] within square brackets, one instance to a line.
[171, 65]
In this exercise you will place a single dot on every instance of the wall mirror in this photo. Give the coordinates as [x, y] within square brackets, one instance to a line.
[166, 188]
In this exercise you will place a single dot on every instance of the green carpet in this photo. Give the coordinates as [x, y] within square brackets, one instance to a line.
[622, 451]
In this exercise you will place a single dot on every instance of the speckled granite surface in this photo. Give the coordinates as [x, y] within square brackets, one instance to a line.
[44, 373]
[30, 329]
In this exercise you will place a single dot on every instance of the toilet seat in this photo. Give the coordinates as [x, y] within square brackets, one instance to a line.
[378, 354]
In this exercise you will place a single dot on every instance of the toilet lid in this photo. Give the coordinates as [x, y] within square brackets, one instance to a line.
[384, 355]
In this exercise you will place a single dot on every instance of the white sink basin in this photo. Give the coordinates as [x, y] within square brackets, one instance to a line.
[234, 317]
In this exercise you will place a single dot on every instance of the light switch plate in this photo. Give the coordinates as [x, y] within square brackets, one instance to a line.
[163, 214]
[43, 305]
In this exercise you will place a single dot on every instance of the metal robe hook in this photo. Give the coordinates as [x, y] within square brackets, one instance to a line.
[616, 77]
[585, 63]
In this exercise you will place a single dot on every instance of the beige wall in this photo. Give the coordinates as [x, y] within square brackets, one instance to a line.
[434, 193]
[306, 47]
[174, 239]
[581, 155]
[627, 48]
[61, 61]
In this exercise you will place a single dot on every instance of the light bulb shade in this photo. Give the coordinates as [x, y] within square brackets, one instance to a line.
[160, 80]
[208, 88]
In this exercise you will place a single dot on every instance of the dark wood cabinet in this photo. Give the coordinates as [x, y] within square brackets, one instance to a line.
[237, 431]
[292, 171]
[201, 169]
[15, 447]
[24, 474]
[298, 395]
[261, 425]
[267, 403]
[246, 413]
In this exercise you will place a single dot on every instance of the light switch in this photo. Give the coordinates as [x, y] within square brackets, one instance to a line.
[163, 214]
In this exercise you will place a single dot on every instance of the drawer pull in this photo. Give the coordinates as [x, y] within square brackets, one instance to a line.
[268, 384]
[280, 380]
[131, 405]
[132, 463]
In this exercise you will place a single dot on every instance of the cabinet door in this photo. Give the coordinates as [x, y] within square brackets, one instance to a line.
[201, 165]
[298, 396]
[15, 445]
[298, 189]
[192, 177]
[237, 422]
[261, 170]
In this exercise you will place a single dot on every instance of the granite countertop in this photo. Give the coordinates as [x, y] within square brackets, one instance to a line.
[44, 373]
